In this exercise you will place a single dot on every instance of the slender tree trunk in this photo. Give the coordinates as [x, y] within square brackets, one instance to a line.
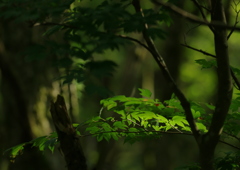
[206, 153]
[209, 141]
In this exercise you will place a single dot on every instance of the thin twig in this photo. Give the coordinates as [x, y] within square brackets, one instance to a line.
[236, 18]
[154, 131]
[201, 51]
[202, 13]
[135, 40]
[175, 128]
[235, 137]
[229, 144]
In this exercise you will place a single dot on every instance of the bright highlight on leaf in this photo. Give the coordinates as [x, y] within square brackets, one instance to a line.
[141, 118]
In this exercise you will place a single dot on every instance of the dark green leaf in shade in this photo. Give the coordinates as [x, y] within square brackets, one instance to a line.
[236, 71]
[206, 64]
[53, 30]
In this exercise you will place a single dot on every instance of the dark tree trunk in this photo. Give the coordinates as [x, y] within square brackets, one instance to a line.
[69, 140]
[209, 141]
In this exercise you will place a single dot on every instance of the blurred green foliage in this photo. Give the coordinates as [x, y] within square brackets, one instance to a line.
[91, 30]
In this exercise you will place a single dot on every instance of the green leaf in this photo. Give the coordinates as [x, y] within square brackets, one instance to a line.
[133, 129]
[180, 121]
[157, 128]
[133, 102]
[146, 115]
[187, 128]
[107, 136]
[108, 103]
[196, 114]
[201, 127]
[53, 30]
[75, 125]
[134, 115]
[16, 149]
[161, 119]
[206, 64]
[210, 106]
[50, 144]
[92, 129]
[115, 136]
[40, 142]
[106, 126]
[236, 71]
[119, 125]
[145, 93]
[99, 137]
[120, 98]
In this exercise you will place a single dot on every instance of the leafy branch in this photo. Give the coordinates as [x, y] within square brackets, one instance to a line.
[158, 58]
[154, 131]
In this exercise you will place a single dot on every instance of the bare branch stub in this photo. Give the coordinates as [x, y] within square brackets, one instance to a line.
[69, 141]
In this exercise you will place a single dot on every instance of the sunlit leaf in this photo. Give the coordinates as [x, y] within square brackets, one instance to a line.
[196, 114]
[16, 149]
[119, 125]
[145, 92]
[202, 127]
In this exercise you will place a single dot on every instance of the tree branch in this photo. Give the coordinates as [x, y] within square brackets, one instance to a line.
[224, 74]
[158, 58]
[202, 13]
[194, 18]
[154, 131]
[135, 40]
[201, 51]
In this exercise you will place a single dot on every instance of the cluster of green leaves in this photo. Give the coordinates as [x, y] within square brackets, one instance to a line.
[142, 118]
[232, 123]
[138, 119]
[229, 161]
[32, 11]
[88, 28]
[42, 143]
[206, 63]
